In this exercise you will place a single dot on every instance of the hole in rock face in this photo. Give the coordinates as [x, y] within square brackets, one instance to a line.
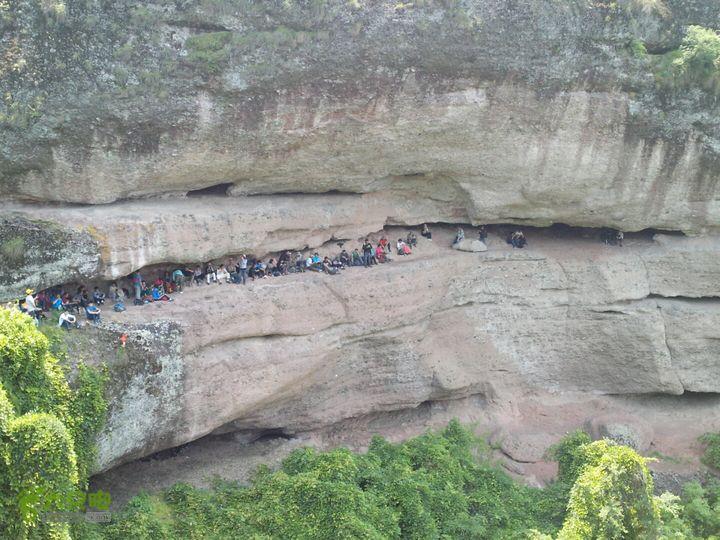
[217, 189]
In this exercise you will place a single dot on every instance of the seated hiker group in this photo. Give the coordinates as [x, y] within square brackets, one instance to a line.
[70, 303]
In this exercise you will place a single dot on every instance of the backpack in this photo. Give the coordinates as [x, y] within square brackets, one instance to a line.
[119, 307]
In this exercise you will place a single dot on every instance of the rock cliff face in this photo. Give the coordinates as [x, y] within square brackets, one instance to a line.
[301, 353]
[183, 131]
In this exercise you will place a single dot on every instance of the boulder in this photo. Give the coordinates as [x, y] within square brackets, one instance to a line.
[473, 246]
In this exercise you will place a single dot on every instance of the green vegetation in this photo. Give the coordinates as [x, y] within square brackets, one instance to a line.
[696, 64]
[712, 450]
[47, 429]
[13, 250]
[438, 485]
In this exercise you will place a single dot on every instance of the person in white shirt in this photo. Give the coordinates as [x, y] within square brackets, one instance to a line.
[222, 275]
[30, 306]
[66, 320]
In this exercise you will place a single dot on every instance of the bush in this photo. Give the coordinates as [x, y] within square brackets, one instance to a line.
[698, 62]
[570, 456]
[613, 496]
[47, 430]
[14, 250]
[711, 458]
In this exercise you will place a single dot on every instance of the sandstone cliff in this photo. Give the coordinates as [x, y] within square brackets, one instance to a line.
[141, 134]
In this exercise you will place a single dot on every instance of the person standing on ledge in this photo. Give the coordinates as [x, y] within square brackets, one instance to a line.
[459, 236]
[136, 279]
[426, 232]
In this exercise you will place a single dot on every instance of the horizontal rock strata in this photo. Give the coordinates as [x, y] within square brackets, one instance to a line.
[306, 351]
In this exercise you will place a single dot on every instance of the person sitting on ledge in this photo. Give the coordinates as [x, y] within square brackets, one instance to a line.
[158, 295]
[403, 248]
[345, 258]
[92, 312]
[517, 239]
[314, 263]
[146, 293]
[67, 320]
[327, 267]
[298, 261]
[197, 276]
[426, 232]
[69, 303]
[380, 254]
[384, 243]
[356, 258]
[482, 233]
[459, 236]
[98, 297]
[210, 273]
[223, 276]
[411, 240]
[56, 301]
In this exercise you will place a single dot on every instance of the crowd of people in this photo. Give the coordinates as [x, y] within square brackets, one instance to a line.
[71, 303]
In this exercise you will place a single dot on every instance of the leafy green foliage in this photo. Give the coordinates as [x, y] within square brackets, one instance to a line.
[697, 63]
[712, 449]
[612, 497]
[47, 429]
[570, 456]
[13, 250]
[438, 485]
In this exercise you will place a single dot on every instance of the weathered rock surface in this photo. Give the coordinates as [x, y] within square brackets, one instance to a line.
[471, 246]
[304, 352]
[536, 112]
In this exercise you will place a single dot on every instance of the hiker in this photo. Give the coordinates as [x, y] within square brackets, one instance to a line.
[92, 312]
[242, 267]
[356, 258]
[56, 301]
[482, 233]
[136, 280]
[328, 267]
[98, 297]
[517, 239]
[197, 276]
[146, 293]
[69, 304]
[67, 320]
[210, 273]
[158, 295]
[178, 278]
[384, 243]
[297, 261]
[619, 237]
[345, 258]
[367, 250]
[426, 232]
[223, 276]
[29, 306]
[459, 236]
[403, 248]
[411, 240]
[380, 254]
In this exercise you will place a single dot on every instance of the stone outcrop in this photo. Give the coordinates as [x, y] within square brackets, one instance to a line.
[134, 136]
[307, 351]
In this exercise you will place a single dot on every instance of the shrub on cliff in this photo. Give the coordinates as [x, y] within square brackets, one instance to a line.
[712, 450]
[612, 497]
[46, 428]
[699, 60]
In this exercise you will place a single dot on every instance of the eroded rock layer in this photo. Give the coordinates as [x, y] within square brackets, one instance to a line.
[570, 316]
